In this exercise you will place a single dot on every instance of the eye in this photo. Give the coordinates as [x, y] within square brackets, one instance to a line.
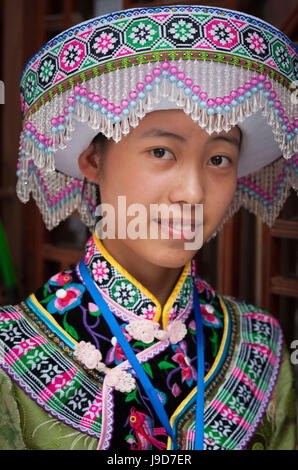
[161, 153]
[220, 161]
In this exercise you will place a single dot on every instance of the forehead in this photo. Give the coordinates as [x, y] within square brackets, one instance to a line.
[177, 123]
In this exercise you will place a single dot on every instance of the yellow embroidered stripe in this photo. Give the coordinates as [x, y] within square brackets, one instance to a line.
[165, 313]
[211, 371]
[51, 320]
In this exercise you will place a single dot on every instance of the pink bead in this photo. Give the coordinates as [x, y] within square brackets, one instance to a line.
[196, 89]
[71, 100]
[117, 110]
[104, 102]
[210, 102]
[110, 106]
[83, 91]
[254, 81]
[218, 100]
[267, 85]
[65, 110]
[90, 96]
[296, 122]
[96, 99]
[227, 99]
[165, 65]
[247, 86]
[28, 125]
[124, 103]
[272, 95]
[140, 86]
[61, 119]
[277, 104]
[286, 120]
[173, 70]
[262, 77]
[148, 79]
[77, 89]
[133, 95]
[188, 82]
[181, 75]
[241, 90]
[203, 95]
[281, 112]
[233, 94]
[156, 72]
[41, 138]
[54, 122]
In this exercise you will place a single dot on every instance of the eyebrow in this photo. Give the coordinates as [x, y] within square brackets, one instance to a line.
[230, 139]
[162, 133]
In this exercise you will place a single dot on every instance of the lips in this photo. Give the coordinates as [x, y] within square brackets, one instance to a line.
[186, 231]
[176, 224]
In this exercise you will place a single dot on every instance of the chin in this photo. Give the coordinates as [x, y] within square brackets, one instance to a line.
[169, 255]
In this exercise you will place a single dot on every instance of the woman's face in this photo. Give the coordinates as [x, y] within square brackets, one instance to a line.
[168, 159]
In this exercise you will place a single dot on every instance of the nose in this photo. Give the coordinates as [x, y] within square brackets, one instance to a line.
[188, 186]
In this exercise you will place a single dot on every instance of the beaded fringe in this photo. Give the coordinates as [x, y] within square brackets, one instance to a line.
[215, 98]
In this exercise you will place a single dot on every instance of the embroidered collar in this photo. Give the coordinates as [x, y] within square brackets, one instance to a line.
[128, 298]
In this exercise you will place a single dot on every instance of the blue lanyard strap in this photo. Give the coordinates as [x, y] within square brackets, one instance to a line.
[131, 357]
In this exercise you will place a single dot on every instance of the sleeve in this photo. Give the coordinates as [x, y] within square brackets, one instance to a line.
[10, 428]
[277, 431]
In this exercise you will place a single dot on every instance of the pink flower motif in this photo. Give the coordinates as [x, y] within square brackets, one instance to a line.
[176, 331]
[100, 271]
[116, 354]
[89, 250]
[149, 312]
[173, 312]
[189, 373]
[142, 330]
[203, 285]
[121, 380]
[65, 299]
[209, 318]
[176, 390]
[104, 43]
[61, 278]
[87, 354]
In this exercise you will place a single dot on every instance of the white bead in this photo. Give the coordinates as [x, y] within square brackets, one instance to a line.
[61, 293]
[187, 360]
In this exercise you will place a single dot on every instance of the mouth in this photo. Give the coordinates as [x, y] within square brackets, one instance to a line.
[186, 231]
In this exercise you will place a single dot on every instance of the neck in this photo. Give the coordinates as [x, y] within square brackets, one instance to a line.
[158, 280]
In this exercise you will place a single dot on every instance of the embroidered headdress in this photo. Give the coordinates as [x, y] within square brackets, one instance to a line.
[222, 67]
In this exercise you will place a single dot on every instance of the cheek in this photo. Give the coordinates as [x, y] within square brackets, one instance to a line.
[124, 176]
[220, 194]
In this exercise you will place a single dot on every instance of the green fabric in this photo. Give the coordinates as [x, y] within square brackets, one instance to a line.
[25, 425]
[277, 430]
[11, 436]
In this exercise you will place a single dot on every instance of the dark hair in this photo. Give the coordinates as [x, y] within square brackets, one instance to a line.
[100, 143]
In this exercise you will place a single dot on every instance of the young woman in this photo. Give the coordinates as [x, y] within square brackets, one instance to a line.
[173, 108]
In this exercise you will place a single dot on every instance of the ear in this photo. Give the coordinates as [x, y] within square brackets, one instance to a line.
[89, 163]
